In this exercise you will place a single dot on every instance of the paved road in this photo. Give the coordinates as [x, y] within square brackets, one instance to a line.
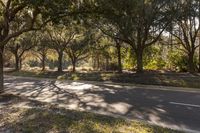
[174, 109]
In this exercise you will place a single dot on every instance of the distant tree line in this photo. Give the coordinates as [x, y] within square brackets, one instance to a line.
[107, 34]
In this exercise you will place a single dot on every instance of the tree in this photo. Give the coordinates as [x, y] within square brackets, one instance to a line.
[42, 50]
[18, 46]
[185, 28]
[78, 49]
[42, 47]
[100, 52]
[118, 46]
[31, 15]
[139, 22]
[60, 37]
[12, 12]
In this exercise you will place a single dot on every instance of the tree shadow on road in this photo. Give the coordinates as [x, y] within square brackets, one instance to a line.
[122, 101]
[45, 119]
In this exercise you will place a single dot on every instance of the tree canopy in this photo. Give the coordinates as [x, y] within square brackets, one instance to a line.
[105, 35]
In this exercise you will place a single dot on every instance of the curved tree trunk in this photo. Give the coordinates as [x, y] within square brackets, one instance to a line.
[60, 59]
[1, 70]
[139, 57]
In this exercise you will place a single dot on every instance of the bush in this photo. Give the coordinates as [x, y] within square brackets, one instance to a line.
[112, 67]
[129, 59]
[178, 60]
[153, 59]
[33, 63]
[156, 64]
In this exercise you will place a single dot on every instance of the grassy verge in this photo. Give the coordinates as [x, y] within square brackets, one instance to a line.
[48, 119]
[156, 78]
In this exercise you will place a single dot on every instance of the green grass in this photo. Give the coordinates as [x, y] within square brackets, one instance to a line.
[156, 78]
[42, 121]
[48, 120]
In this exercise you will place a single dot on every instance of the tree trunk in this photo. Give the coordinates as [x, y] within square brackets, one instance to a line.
[98, 63]
[74, 66]
[94, 63]
[119, 58]
[17, 62]
[199, 55]
[107, 64]
[191, 65]
[1, 70]
[43, 62]
[139, 57]
[60, 59]
[20, 63]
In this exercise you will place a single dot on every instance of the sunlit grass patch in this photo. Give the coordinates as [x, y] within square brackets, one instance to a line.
[51, 119]
[40, 121]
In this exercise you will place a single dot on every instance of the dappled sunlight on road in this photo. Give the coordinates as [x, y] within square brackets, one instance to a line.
[73, 85]
[113, 100]
[72, 95]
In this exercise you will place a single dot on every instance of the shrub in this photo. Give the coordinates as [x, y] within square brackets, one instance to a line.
[178, 60]
[156, 64]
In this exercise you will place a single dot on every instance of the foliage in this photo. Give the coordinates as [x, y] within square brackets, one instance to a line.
[152, 59]
[88, 31]
[179, 60]
[156, 64]
[129, 59]
[79, 47]
[137, 23]
[185, 28]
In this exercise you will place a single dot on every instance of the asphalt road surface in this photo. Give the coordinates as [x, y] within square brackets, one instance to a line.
[163, 106]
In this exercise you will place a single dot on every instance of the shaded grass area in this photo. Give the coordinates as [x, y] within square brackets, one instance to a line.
[147, 78]
[42, 118]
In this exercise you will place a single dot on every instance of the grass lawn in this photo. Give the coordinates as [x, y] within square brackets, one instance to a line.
[26, 116]
[147, 78]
